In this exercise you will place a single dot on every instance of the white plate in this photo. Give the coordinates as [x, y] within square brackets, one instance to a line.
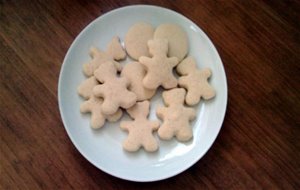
[103, 147]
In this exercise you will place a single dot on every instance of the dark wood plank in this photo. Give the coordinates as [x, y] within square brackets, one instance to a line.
[36, 38]
[258, 146]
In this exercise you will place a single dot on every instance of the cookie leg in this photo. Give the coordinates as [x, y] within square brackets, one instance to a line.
[115, 117]
[184, 134]
[165, 132]
[88, 69]
[130, 145]
[151, 82]
[192, 98]
[108, 107]
[171, 83]
[209, 93]
[128, 100]
[150, 144]
[97, 120]
[85, 107]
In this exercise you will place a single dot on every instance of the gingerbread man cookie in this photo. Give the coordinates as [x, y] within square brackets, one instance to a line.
[93, 106]
[159, 68]
[175, 116]
[194, 81]
[140, 129]
[114, 52]
[135, 73]
[113, 90]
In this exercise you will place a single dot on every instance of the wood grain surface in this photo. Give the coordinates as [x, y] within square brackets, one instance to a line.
[259, 143]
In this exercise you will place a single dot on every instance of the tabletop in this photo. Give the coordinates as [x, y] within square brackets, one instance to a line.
[258, 146]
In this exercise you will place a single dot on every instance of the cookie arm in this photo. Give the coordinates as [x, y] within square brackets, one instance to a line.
[85, 107]
[145, 60]
[191, 113]
[94, 52]
[173, 61]
[125, 125]
[98, 90]
[124, 80]
[160, 112]
[183, 81]
[87, 69]
[154, 125]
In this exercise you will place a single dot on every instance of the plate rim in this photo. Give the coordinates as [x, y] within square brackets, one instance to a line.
[59, 93]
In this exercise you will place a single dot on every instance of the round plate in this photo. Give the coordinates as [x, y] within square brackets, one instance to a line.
[103, 147]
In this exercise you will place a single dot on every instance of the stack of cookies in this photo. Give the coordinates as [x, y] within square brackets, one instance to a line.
[110, 88]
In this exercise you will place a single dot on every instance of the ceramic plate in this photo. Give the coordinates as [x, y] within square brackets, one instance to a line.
[103, 147]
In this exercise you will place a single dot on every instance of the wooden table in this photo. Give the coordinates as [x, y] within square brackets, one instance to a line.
[258, 146]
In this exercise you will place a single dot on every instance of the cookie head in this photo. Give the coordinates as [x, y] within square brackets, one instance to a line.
[187, 66]
[158, 47]
[174, 96]
[206, 72]
[141, 109]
